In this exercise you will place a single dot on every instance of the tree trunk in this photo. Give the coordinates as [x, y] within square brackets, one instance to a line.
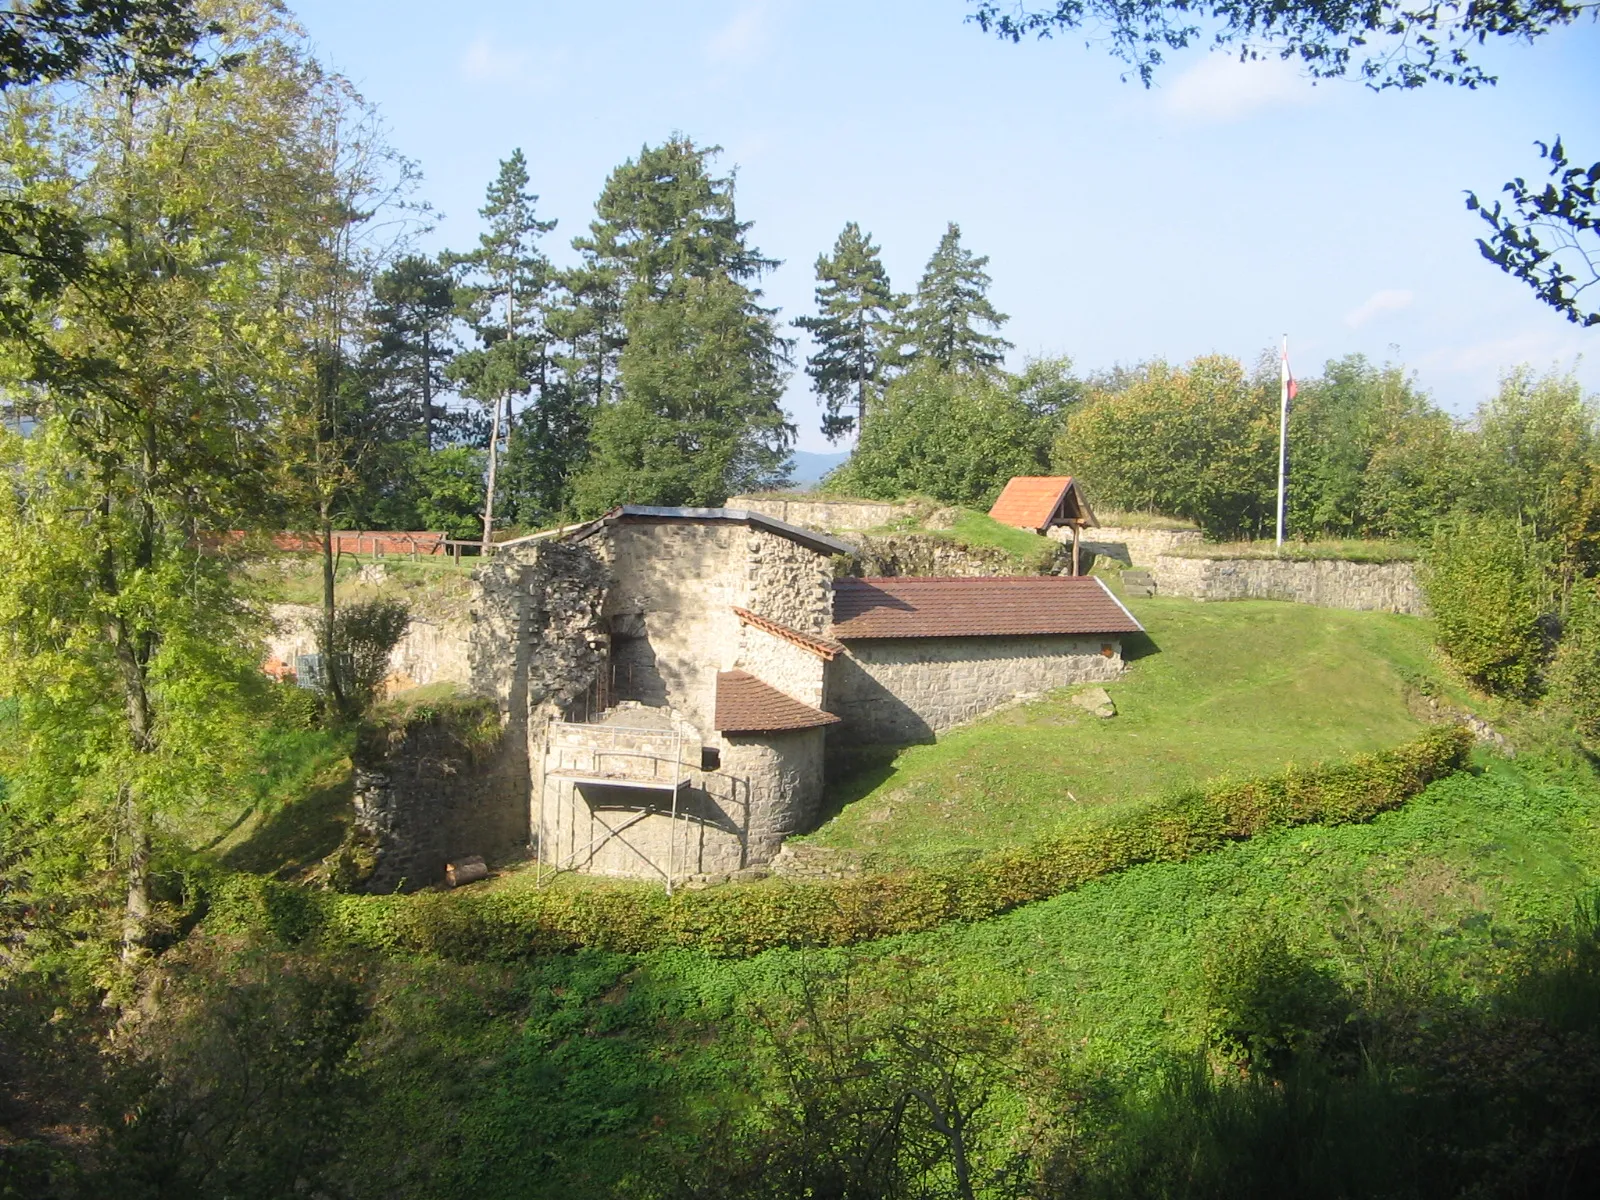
[488, 493]
[427, 388]
[136, 912]
[331, 684]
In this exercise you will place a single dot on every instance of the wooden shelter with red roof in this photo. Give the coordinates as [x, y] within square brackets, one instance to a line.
[1039, 503]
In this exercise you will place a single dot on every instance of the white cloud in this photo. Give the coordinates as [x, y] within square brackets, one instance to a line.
[742, 38]
[1221, 88]
[486, 62]
[1387, 300]
[1535, 347]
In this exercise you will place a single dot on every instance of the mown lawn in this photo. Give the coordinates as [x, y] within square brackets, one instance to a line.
[1215, 689]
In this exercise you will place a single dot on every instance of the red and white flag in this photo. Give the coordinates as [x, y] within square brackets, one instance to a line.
[1290, 388]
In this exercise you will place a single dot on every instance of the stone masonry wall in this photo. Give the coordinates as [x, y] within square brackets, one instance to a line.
[792, 670]
[790, 583]
[426, 795]
[906, 690]
[429, 651]
[766, 788]
[914, 554]
[1376, 587]
[833, 516]
[1131, 547]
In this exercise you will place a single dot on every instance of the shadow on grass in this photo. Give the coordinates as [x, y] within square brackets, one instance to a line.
[856, 773]
[292, 841]
[1138, 645]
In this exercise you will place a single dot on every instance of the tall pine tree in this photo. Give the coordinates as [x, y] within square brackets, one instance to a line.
[699, 360]
[505, 283]
[413, 339]
[855, 331]
[952, 302]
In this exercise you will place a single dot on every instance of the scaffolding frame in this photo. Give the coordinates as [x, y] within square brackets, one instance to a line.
[673, 782]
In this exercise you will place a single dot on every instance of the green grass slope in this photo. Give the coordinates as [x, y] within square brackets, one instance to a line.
[1215, 689]
[591, 1075]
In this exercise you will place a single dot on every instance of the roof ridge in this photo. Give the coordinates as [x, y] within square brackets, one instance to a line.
[824, 648]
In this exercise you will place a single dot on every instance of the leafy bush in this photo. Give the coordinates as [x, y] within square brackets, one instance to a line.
[956, 438]
[1485, 582]
[746, 919]
[1573, 679]
[1266, 1001]
[364, 636]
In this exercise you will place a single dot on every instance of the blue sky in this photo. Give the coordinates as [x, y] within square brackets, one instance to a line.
[1212, 213]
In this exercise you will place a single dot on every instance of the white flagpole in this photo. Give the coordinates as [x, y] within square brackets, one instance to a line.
[1283, 432]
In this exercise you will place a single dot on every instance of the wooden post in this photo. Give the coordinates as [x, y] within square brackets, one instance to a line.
[1076, 528]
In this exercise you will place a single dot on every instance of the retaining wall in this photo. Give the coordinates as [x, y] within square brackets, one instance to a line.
[1368, 587]
[834, 516]
[1131, 547]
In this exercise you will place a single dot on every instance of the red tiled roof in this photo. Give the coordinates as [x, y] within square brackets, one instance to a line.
[746, 705]
[1004, 606]
[1029, 501]
[824, 648]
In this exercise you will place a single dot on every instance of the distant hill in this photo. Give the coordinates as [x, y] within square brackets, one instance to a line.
[810, 467]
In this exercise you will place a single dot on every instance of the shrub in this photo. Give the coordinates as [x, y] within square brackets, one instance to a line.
[1485, 582]
[1266, 1001]
[743, 919]
[365, 635]
[1574, 675]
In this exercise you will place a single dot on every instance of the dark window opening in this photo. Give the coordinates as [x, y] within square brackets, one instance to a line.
[710, 758]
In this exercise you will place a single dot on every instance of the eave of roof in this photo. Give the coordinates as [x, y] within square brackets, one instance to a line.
[823, 648]
[746, 704]
[811, 538]
[1001, 606]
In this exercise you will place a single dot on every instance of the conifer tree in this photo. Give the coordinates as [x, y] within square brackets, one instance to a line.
[951, 303]
[854, 328]
[699, 360]
[507, 281]
[413, 318]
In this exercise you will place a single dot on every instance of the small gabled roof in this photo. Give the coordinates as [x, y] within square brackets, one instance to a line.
[747, 705]
[824, 648]
[646, 513]
[1001, 606]
[1036, 502]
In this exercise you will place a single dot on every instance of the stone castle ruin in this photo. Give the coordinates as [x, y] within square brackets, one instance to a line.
[674, 682]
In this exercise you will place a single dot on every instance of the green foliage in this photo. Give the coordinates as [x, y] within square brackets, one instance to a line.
[1573, 678]
[746, 919]
[941, 326]
[1198, 442]
[1266, 1001]
[954, 437]
[365, 634]
[1538, 463]
[669, 287]
[1485, 582]
[855, 331]
[413, 314]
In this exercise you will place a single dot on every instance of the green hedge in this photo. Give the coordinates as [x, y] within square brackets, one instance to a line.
[743, 919]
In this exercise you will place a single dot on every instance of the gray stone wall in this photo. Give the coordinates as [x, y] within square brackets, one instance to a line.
[834, 516]
[789, 668]
[429, 652]
[426, 796]
[790, 583]
[905, 690]
[918, 554]
[766, 787]
[676, 585]
[1373, 587]
[1131, 547]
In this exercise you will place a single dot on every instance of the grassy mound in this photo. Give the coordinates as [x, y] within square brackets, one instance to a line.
[1215, 690]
